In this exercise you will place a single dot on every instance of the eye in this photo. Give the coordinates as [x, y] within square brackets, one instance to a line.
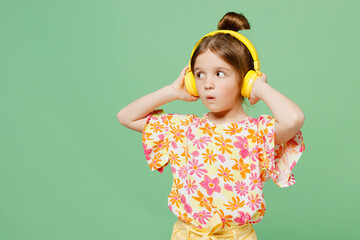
[199, 75]
[220, 74]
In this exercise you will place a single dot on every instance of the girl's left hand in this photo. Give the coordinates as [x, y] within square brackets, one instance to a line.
[254, 97]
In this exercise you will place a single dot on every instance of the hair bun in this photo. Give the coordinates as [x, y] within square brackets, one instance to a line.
[233, 21]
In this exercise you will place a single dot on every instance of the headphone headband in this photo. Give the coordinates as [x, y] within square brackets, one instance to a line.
[238, 36]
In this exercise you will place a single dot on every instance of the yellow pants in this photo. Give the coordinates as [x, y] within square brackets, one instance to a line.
[186, 231]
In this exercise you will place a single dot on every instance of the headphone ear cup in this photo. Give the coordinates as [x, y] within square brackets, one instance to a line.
[190, 83]
[249, 79]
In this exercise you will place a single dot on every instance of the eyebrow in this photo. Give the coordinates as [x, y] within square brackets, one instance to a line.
[221, 68]
[196, 69]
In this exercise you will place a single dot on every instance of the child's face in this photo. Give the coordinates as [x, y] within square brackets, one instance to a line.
[216, 83]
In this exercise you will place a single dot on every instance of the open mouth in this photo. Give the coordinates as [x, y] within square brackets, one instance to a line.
[210, 98]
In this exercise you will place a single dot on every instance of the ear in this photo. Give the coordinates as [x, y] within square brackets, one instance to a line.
[190, 83]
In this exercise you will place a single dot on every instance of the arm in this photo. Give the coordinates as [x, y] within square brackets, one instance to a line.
[133, 116]
[289, 118]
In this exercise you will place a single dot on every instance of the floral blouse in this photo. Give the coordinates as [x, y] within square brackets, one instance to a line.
[219, 168]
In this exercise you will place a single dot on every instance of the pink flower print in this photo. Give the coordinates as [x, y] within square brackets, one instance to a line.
[211, 185]
[170, 207]
[197, 123]
[202, 217]
[187, 207]
[196, 168]
[292, 166]
[183, 172]
[255, 181]
[271, 137]
[241, 188]
[190, 135]
[202, 141]
[302, 147]
[254, 201]
[254, 154]
[244, 153]
[173, 144]
[252, 167]
[161, 136]
[195, 153]
[182, 199]
[147, 152]
[228, 187]
[190, 186]
[222, 158]
[242, 145]
[243, 218]
[269, 150]
[199, 227]
[173, 169]
[255, 221]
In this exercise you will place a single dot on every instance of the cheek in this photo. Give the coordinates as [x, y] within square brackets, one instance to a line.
[231, 93]
[199, 87]
[230, 88]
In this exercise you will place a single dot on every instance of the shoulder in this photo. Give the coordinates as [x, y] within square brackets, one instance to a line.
[172, 118]
[265, 125]
[265, 120]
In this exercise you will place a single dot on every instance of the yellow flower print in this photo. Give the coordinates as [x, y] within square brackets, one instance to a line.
[233, 129]
[175, 197]
[209, 156]
[167, 119]
[178, 133]
[264, 176]
[146, 137]
[184, 217]
[261, 211]
[174, 158]
[161, 144]
[186, 122]
[225, 219]
[225, 173]
[252, 136]
[155, 163]
[157, 127]
[177, 183]
[204, 201]
[208, 129]
[241, 167]
[235, 204]
[224, 144]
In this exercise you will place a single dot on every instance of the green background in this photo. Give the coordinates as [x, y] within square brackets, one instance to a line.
[69, 170]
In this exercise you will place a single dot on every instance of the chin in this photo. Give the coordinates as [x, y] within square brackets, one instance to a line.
[215, 109]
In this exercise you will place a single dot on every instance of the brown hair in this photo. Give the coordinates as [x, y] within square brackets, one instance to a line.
[228, 48]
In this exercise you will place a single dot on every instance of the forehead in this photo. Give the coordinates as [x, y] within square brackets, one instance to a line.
[208, 59]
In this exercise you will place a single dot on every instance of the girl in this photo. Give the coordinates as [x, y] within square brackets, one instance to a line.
[219, 161]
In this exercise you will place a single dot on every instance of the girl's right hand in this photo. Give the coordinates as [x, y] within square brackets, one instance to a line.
[179, 88]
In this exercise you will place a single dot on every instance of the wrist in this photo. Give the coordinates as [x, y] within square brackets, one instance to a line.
[261, 89]
[170, 93]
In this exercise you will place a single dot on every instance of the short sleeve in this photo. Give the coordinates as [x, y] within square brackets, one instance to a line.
[277, 160]
[161, 133]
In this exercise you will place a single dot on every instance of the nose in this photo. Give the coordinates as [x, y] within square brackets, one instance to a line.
[209, 83]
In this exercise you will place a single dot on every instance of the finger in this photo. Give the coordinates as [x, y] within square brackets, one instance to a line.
[195, 98]
[185, 68]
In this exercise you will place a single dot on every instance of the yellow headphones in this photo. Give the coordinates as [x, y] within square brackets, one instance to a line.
[250, 76]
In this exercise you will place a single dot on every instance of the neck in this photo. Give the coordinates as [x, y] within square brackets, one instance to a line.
[236, 114]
